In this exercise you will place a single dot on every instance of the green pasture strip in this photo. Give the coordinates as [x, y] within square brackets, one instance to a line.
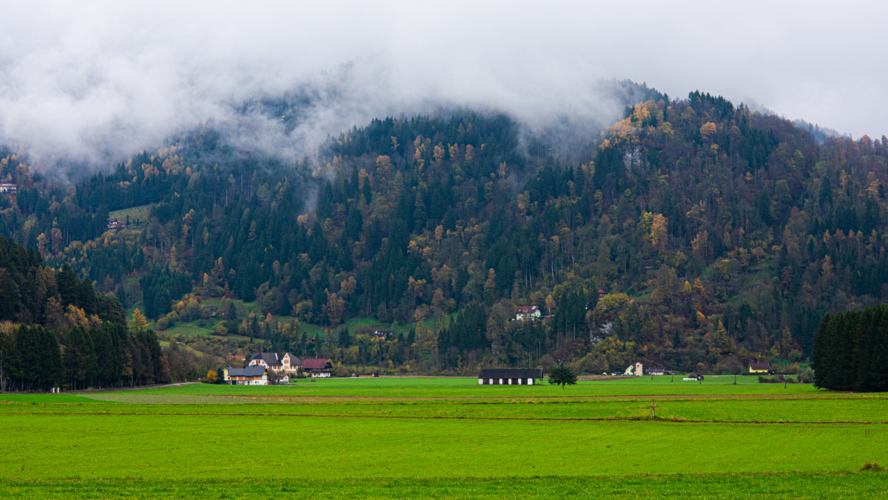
[694, 486]
[139, 212]
[836, 410]
[266, 447]
[468, 387]
[46, 398]
[137, 397]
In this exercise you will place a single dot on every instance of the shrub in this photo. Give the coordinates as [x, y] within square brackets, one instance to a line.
[163, 323]
[807, 376]
[776, 379]
[874, 467]
[729, 366]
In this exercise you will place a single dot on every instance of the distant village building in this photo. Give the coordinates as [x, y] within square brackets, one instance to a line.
[211, 310]
[317, 368]
[285, 363]
[601, 294]
[655, 371]
[509, 376]
[113, 223]
[527, 313]
[251, 375]
[759, 368]
[7, 188]
[381, 334]
[637, 370]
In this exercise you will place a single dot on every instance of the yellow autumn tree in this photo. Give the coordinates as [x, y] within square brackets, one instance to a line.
[698, 287]
[57, 240]
[786, 342]
[334, 308]
[550, 304]
[659, 232]
[41, 244]
[75, 316]
[490, 286]
[708, 129]
[138, 322]
[383, 164]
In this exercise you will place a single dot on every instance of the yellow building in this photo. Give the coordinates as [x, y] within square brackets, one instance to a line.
[764, 368]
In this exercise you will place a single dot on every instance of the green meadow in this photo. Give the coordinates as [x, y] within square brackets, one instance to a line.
[447, 437]
[467, 387]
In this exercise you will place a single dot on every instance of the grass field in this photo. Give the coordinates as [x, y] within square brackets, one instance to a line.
[447, 437]
[141, 213]
[192, 329]
[452, 387]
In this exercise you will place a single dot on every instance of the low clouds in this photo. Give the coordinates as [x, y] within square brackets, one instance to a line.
[98, 81]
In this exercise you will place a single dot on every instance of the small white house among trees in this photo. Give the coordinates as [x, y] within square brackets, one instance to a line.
[527, 313]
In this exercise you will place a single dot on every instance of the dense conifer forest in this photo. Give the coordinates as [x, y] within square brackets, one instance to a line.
[55, 331]
[851, 351]
[693, 234]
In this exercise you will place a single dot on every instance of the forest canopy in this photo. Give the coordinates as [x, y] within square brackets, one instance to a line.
[694, 234]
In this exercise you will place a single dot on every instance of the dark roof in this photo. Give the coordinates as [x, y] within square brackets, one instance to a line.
[526, 309]
[760, 366]
[294, 360]
[270, 358]
[656, 369]
[250, 371]
[211, 307]
[316, 364]
[511, 373]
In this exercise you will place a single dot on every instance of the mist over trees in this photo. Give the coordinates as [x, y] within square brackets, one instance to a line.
[716, 236]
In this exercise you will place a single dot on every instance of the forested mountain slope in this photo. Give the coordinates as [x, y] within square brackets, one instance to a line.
[718, 235]
[55, 331]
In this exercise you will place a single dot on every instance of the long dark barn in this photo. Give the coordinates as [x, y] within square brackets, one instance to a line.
[509, 376]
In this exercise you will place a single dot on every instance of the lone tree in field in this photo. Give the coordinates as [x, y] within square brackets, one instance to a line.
[562, 375]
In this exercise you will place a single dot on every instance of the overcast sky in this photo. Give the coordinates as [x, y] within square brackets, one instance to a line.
[80, 76]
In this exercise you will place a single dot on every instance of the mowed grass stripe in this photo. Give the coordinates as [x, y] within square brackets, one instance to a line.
[858, 410]
[693, 486]
[442, 387]
[262, 447]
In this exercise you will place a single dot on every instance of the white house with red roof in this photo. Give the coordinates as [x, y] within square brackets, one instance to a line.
[317, 368]
[527, 313]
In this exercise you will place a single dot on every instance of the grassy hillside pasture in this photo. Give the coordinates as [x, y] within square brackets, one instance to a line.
[140, 212]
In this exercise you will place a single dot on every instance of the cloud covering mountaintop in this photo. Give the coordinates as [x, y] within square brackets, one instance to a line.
[96, 81]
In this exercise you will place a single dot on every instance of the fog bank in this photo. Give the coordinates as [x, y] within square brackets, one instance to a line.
[97, 81]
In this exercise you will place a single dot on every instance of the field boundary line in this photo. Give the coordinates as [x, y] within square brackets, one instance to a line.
[407, 417]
